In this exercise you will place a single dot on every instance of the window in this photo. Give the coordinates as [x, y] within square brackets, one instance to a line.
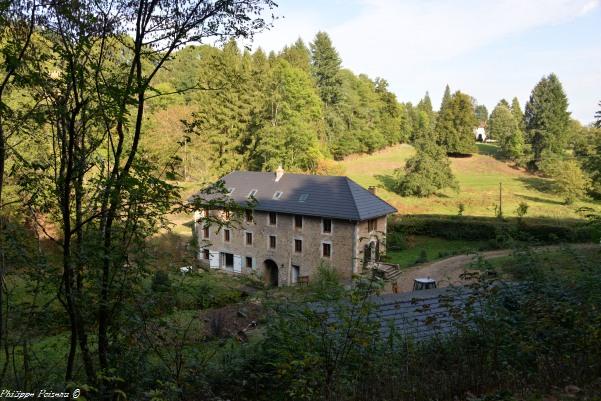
[230, 191]
[298, 222]
[205, 254]
[252, 193]
[326, 249]
[249, 262]
[372, 225]
[277, 195]
[303, 197]
[249, 238]
[227, 235]
[205, 232]
[228, 259]
[298, 245]
[248, 215]
[226, 214]
[273, 218]
[326, 226]
[272, 241]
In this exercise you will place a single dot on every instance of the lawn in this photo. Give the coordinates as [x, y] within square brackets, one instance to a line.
[479, 177]
[435, 248]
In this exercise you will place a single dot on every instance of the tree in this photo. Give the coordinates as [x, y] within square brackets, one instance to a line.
[481, 114]
[104, 198]
[325, 63]
[547, 118]
[294, 111]
[426, 173]
[455, 125]
[446, 98]
[598, 117]
[518, 115]
[298, 55]
[425, 104]
[570, 181]
[503, 127]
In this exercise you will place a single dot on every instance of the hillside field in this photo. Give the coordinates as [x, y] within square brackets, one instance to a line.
[479, 177]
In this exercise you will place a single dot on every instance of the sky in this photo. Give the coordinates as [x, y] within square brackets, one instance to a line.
[489, 49]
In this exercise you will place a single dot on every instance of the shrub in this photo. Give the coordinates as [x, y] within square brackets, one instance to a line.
[488, 229]
[161, 281]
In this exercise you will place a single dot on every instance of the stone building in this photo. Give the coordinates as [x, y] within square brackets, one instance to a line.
[299, 222]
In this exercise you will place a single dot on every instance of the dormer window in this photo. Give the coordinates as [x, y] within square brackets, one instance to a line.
[303, 197]
[277, 195]
[252, 193]
[230, 191]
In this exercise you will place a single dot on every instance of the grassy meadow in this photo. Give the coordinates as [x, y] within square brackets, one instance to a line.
[479, 177]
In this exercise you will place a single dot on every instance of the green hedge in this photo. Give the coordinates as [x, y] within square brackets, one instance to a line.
[475, 228]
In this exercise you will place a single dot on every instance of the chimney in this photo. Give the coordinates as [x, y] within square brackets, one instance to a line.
[372, 189]
[279, 173]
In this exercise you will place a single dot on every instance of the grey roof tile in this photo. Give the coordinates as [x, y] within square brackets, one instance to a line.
[336, 197]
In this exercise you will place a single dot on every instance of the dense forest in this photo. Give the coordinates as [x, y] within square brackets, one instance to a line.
[220, 109]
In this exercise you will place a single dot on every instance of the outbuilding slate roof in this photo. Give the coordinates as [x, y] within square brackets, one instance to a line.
[336, 197]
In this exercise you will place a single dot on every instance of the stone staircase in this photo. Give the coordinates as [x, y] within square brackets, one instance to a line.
[388, 271]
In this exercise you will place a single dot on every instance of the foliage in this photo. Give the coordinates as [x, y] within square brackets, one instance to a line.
[481, 113]
[570, 181]
[547, 118]
[504, 128]
[455, 125]
[426, 173]
[482, 229]
[522, 209]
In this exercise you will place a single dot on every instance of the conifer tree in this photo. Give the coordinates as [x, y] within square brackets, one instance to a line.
[455, 125]
[446, 98]
[547, 118]
[518, 114]
[325, 63]
[481, 113]
[425, 105]
[298, 55]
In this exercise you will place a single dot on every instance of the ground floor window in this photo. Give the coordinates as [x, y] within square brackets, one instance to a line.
[205, 254]
[249, 262]
[227, 259]
[326, 249]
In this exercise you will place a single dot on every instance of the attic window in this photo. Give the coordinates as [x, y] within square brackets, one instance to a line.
[277, 195]
[252, 193]
[303, 197]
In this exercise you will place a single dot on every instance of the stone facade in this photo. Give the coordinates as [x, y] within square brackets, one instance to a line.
[232, 251]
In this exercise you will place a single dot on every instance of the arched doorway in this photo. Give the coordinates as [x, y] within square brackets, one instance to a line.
[270, 273]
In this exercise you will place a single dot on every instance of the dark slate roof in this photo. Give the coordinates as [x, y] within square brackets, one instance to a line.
[326, 196]
[424, 314]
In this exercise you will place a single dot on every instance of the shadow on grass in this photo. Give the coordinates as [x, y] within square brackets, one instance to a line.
[388, 182]
[540, 200]
[538, 184]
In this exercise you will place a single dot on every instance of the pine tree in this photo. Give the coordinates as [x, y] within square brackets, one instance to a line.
[298, 55]
[446, 98]
[425, 105]
[294, 112]
[455, 125]
[518, 115]
[325, 63]
[503, 127]
[547, 118]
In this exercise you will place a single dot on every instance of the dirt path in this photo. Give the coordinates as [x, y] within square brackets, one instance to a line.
[447, 271]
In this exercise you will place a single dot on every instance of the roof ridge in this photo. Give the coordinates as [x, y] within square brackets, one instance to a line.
[348, 181]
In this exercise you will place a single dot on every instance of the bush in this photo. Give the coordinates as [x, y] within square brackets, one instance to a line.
[488, 229]
[161, 281]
